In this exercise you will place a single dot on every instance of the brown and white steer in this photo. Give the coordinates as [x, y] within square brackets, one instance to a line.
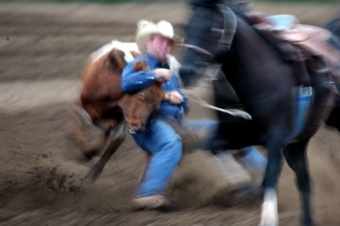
[104, 110]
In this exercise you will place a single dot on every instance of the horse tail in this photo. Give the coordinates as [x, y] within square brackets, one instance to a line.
[334, 27]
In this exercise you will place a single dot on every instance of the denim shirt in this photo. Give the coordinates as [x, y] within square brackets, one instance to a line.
[133, 81]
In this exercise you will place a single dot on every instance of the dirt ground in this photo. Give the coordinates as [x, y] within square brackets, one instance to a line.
[43, 50]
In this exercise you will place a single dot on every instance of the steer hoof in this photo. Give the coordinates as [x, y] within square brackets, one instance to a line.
[88, 136]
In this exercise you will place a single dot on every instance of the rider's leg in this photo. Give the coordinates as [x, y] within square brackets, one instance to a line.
[165, 148]
[253, 159]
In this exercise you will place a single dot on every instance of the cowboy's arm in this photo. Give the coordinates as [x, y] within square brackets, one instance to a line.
[185, 101]
[133, 81]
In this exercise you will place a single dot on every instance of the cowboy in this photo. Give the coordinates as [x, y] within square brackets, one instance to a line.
[160, 140]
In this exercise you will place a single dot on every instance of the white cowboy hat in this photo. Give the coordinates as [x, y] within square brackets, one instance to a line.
[146, 28]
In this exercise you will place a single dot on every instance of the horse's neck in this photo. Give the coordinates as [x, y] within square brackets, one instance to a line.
[247, 50]
[246, 40]
[252, 60]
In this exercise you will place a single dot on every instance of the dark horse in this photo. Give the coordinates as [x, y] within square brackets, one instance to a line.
[265, 84]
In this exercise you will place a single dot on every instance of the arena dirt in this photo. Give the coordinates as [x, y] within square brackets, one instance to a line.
[43, 50]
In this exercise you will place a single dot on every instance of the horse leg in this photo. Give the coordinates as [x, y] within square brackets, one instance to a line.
[114, 140]
[269, 211]
[333, 119]
[295, 155]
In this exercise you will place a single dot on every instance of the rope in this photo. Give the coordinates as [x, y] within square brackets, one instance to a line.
[233, 112]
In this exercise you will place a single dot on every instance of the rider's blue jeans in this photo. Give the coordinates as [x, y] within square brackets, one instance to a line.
[164, 145]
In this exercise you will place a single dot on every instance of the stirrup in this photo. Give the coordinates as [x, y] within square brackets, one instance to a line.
[304, 91]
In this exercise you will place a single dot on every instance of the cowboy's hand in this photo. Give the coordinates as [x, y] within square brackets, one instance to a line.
[162, 74]
[173, 97]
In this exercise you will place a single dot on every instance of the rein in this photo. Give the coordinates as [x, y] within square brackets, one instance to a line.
[197, 49]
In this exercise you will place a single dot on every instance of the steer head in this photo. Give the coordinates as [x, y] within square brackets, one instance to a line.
[139, 106]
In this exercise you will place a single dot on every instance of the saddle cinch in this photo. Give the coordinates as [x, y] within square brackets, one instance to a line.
[305, 45]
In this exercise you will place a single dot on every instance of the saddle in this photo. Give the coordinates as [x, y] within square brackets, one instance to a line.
[306, 46]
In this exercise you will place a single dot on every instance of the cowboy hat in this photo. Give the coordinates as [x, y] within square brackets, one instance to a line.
[146, 28]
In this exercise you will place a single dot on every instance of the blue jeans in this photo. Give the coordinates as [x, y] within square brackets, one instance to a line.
[164, 145]
[253, 159]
